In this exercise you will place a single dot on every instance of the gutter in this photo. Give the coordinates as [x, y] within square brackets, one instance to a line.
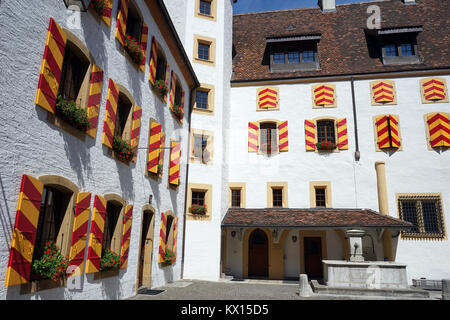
[355, 122]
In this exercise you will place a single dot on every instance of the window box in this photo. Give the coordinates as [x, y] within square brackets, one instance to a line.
[76, 116]
[134, 50]
[161, 87]
[123, 149]
[109, 261]
[178, 111]
[326, 145]
[198, 209]
[52, 265]
[169, 258]
[99, 7]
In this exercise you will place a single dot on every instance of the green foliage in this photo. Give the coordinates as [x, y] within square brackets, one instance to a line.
[169, 258]
[52, 265]
[178, 111]
[197, 209]
[74, 115]
[134, 49]
[99, 6]
[161, 87]
[109, 261]
[123, 149]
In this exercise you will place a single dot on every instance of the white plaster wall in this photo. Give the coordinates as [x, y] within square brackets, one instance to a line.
[178, 12]
[291, 255]
[30, 145]
[353, 184]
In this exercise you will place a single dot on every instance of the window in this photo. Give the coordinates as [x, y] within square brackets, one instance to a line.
[308, 56]
[399, 48]
[201, 98]
[278, 58]
[424, 211]
[161, 65]
[203, 51]
[198, 196]
[268, 137]
[178, 93]
[293, 56]
[320, 194]
[201, 146]
[112, 233]
[390, 50]
[205, 7]
[134, 22]
[204, 100]
[320, 198]
[124, 108]
[325, 131]
[277, 198]
[236, 198]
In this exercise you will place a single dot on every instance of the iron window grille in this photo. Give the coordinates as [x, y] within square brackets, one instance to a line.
[236, 198]
[320, 198]
[277, 198]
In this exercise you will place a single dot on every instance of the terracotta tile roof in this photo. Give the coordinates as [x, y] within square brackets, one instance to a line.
[343, 49]
[310, 218]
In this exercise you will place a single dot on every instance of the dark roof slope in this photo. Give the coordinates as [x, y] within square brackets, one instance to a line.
[343, 49]
[310, 218]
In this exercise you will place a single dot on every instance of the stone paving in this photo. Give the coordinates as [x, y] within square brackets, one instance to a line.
[246, 290]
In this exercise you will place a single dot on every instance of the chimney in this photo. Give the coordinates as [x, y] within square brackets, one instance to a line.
[327, 5]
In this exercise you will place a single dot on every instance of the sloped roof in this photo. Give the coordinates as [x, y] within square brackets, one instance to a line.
[275, 217]
[343, 48]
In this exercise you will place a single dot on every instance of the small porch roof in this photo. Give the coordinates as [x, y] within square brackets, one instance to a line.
[308, 218]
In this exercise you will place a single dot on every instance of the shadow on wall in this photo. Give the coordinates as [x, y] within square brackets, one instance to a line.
[168, 274]
[78, 154]
[111, 288]
[5, 215]
[126, 179]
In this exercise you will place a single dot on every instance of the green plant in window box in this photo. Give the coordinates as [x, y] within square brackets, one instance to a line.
[71, 113]
[109, 261]
[325, 145]
[161, 87]
[160, 169]
[178, 111]
[52, 265]
[123, 149]
[99, 6]
[134, 49]
[169, 258]
[198, 209]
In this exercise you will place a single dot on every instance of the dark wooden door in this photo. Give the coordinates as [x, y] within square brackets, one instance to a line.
[313, 257]
[146, 246]
[258, 254]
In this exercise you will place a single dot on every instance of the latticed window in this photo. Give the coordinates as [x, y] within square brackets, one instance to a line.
[236, 198]
[201, 99]
[111, 223]
[268, 133]
[205, 7]
[134, 23]
[308, 56]
[325, 131]
[198, 197]
[425, 213]
[278, 58]
[294, 57]
[407, 49]
[391, 50]
[277, 198]
[203, 51]
[320, 198]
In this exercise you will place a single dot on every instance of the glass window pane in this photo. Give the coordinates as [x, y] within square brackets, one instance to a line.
[391, 50]
[198, 197]
[278, 58]
[205, 7]
[325, 131]
[277, 195]
[430, 216]
[236, 198]
[407, 49]
[308, 56]
[409, 213]
[202, 99]
[203, 51]
[320, 198]
[293, 57]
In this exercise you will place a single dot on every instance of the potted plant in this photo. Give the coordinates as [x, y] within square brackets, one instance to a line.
[161, 87]
[178, 111]
[169, 258]
[123, 149]
[326, 145]
[198, 209]
[99, 6]
[134, 49]
[109, 261]
[71, 113]
[52, 265]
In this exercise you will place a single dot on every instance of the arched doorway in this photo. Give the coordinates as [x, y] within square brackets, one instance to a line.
[258, 254]
[146, 250]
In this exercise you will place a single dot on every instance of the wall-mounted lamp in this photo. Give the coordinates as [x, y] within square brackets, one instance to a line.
[82, 5]
[150, 198]
[294, 238]
[233, 233]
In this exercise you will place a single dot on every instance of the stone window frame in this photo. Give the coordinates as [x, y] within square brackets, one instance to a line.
[397, 40]
[207, 188]
[277, 185]
[294, 46]
[209, 88]
[335, 120]
[237, 186]
[273, 152]
[313, 185]
[209, 146]
[213, 14]
[211, 42]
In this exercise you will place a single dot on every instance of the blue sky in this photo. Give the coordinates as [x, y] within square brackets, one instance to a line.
[244, 6]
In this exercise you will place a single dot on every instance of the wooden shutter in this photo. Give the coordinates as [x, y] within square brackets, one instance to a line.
[153, 61]
[283, 136]
[383, 92]
[95, 94]
[253, 130]
[174, 168]
[121, 23]
[51, 67]
[79, 232]
[383, 132]
[324, 95]
[135, 130]
[268, 98]
[161, 154]
[106, 17]
[434, 89]
[110, 114]
[144, 42]
[395, 139]
[162, 238]
[310, 135]
[175, 236]
[439, 129]
[127, 221]
[25, 227]
[96, 235]
[342, 134]
[154, 150]
[173, 83]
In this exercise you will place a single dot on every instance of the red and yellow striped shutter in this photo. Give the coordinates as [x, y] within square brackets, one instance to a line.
[25, 227]
[154, 150]
[434, 90]
[182, 104]
[79, 232]
[439, 127]
[283, 136]
[125, 248]
[106, 17]
[121, 24]
[395, 139]
[173, 83]
[253, 130]
[383, 132]
[161, 154]
[342, 134]
[162, 238]
[175, 236]
[175, 158]
[167, 79]
[96, 235]
[110, 114]
[51, 67]
[310, 135]
[144, 42]
[95, 94]
[153, 61]
[383, 92]
[268, 98]
[135, 130]
[324, 95]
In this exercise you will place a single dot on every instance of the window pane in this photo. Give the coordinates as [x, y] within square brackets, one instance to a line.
[201, 99]
[277, 197]
[161, 67]
[407, 49]
[293, 57]
[73, 71]
[236, 198]
[268, 133]
[409, 213]
[111, 219]
[198, 197]
[430, 217]
[308, 56]
[203, 51]
[123, 111]
[391, 50]
[278, 58]
[325, 131]
[320, 198]
[205, 7]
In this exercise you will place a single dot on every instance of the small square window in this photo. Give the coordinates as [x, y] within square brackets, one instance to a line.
[236, 198]
[277, 198]
[320, 198]
[294, 57]
[201, 99]
[205, 7]
[391, 50]
[203, 51]
[278, 58]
